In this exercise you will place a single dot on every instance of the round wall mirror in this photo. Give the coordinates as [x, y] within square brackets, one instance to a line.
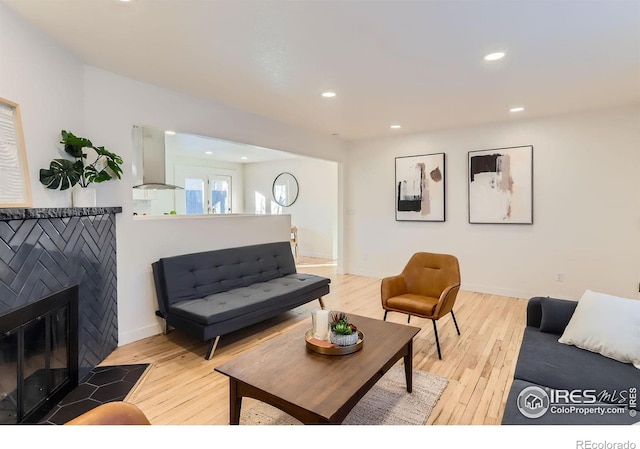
[285, 189]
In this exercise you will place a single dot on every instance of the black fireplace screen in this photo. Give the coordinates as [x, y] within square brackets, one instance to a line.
[38, 356]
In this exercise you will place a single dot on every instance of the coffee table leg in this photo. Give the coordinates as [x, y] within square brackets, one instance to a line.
[408, 366]
[235, 402]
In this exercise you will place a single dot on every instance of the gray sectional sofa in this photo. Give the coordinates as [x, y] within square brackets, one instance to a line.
[213, 293]
[596, 383]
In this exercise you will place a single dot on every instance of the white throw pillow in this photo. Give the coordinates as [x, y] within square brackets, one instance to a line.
[606, 324]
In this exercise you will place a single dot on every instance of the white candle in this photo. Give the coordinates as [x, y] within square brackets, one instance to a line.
[321, 324]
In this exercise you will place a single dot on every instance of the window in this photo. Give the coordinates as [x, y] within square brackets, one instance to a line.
[220, 200]
[194, 195]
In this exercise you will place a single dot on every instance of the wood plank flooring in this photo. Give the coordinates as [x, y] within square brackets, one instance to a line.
[182, 387]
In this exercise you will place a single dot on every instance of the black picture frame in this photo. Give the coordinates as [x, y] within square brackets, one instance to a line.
[500, 185]
[420, 187]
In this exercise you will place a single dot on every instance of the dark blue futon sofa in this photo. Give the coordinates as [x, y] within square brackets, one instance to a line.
[587, 388]
[213, 293]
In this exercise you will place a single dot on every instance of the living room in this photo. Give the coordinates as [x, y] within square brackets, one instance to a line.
[585, 202]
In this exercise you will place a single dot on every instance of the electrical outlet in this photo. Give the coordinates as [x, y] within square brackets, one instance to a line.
[559, 277]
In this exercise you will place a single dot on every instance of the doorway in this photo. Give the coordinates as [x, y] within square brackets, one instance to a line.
[208, 195]
[207, 190]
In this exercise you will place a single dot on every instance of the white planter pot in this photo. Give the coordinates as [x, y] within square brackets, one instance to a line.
[343, 340]
[83, 196]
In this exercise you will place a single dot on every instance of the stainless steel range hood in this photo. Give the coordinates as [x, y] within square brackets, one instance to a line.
[149, 167]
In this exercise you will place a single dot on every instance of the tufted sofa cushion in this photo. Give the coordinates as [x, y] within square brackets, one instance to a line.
[244, 300]
[198, 275]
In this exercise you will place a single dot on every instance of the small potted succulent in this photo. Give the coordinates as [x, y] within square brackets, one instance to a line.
[342, 332]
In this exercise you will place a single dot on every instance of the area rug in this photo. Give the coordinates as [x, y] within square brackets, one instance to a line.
[387, 403]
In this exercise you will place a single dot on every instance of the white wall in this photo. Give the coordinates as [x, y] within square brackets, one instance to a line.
[315, 212]
[586, 183]
[47, 83]
[56, 91]
[586, 207]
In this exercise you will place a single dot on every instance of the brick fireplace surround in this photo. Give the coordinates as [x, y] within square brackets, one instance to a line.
[45, 250]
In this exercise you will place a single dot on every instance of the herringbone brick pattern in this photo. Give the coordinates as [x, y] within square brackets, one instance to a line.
[41, 256]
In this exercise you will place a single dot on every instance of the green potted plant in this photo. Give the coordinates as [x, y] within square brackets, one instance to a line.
[342, 332]
[66, 173]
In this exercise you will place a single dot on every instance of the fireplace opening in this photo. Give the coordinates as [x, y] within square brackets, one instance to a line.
[38, 356]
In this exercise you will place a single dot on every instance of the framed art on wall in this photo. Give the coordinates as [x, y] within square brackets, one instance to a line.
[15, 189]
[420, 187]
[501, 185]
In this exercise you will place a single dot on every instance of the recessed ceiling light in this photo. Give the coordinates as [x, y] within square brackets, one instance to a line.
[328, 94]
[170, 133]
[494, 56]
[517, 109]
[396, 126]
[244, 158]
[208, 152]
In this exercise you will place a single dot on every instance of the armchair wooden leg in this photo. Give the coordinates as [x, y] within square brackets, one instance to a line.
[455, 322]
[385, 315]
[408, 319]
[435, 331]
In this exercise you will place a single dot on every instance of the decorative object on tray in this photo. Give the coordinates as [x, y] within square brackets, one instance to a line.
[342, 332]
[320, 320]
[341, 336]
[64, 173]
[325, 347]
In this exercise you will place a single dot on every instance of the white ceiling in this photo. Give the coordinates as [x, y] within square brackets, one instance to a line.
[221, 150]
[416, 63]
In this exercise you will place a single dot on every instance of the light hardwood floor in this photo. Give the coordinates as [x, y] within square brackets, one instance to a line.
[181, 387]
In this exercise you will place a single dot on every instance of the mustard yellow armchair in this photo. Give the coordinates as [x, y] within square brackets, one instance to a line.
[426, 288]
[111, 413]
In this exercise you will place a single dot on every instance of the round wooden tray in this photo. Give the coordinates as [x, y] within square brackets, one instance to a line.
[332, 350]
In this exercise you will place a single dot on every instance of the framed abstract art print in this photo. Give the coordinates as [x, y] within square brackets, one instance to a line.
[420, 188]
[500, 185]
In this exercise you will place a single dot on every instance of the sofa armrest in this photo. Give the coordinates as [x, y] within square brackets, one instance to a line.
[550, 314]
[534, 312]
[158, 282]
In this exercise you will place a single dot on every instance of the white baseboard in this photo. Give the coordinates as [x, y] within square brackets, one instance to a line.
[315, 255]
[513, 293]
[138, 334]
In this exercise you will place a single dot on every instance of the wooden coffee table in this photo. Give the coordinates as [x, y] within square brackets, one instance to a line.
[316, 388]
